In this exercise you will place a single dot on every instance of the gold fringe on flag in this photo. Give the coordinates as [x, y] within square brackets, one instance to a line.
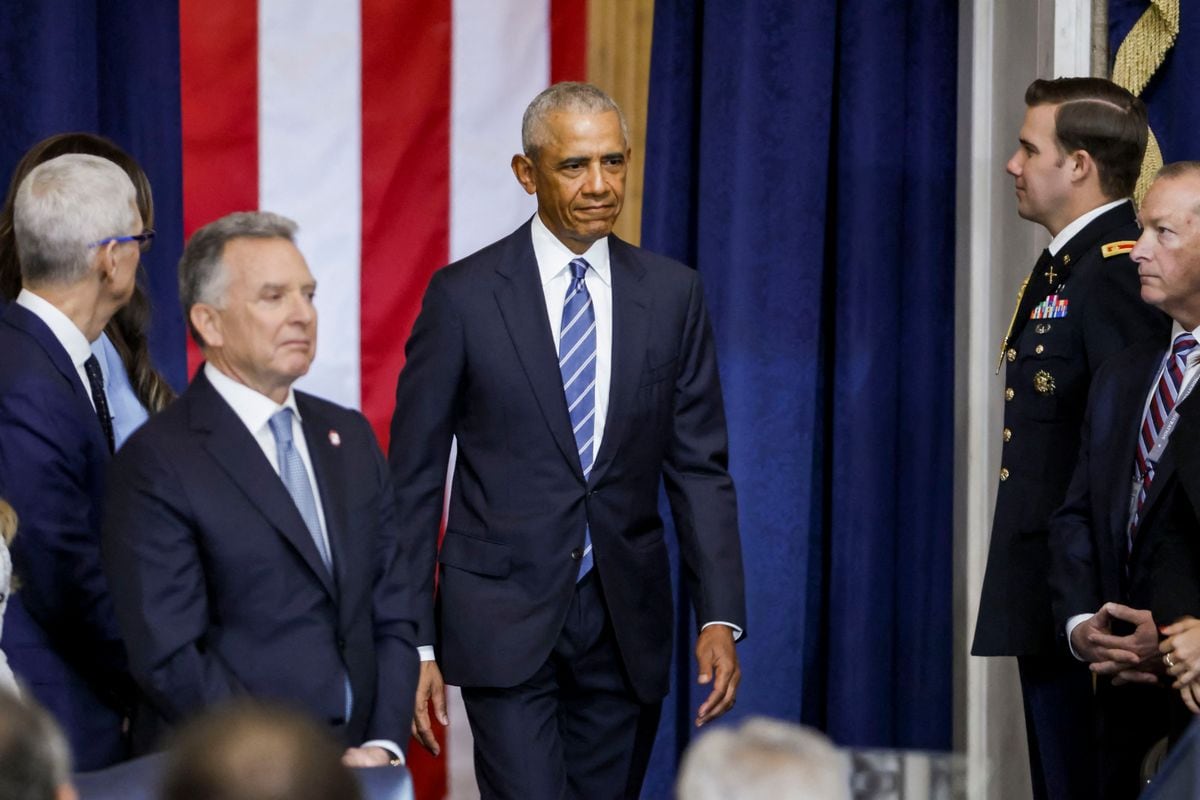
[1140, 55]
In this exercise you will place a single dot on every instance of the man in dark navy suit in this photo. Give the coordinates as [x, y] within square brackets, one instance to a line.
[1125, 550]
[577, 373]
[251, 540]
[1080, 150]
[78, 233]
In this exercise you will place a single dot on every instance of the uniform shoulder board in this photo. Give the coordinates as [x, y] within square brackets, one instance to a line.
[1115, 248]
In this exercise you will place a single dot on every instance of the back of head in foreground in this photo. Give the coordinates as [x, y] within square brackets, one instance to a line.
[249, 751]
[35, 762]
[764, 759]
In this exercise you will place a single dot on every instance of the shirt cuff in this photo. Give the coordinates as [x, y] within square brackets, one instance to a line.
[389, 745]
[738, 633]
[1072, 624]
[425, 652]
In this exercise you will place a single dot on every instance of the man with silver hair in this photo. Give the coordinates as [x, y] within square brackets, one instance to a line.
[79, 235]
[251, 540]
[764, 759]
[576, 373]
[35, 762]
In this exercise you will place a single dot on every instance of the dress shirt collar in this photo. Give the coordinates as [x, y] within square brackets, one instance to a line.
[253, 409]
[1177, 329]
[1078, 224]
[78, 348]
[553, 256]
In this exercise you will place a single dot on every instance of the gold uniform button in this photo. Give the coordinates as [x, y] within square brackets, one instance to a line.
[1008, 434]
[1009, 393]
[1003, 473]
[1011, 355]
[1039, 349]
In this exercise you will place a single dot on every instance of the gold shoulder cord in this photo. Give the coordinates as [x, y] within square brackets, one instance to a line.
[1140, 55]
[1012, 322]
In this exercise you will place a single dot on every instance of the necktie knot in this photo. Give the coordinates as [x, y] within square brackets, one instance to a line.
[281, 425]
[1183, 345]
[579, 268]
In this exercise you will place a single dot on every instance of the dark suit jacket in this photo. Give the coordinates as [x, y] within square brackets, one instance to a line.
[219, 588]
[481, 366]
[1050, 363]
[1088, 534]
[60, 632]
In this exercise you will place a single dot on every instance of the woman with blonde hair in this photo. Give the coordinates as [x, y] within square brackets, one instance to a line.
[8, 529]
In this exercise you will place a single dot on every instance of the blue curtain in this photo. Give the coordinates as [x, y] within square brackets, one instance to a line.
[109, 67]
[802, 157]
[1170, 96]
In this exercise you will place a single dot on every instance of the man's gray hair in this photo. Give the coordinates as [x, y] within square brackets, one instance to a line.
[34, 757]
[202, 274]
[64, 205]
[571, 96]
[764, 759]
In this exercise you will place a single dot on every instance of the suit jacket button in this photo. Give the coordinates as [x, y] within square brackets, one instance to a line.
[1011, 355]
[1009, 393]
[1003, 474]
[577, 554]
[1008, 434]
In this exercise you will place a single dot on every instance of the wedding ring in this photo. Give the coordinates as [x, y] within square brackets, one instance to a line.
[1170, 662]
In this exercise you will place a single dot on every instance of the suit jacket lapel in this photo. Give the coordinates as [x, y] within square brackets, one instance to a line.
[25, 320]
[330, 470]
[630, 326]
[523, 307]
[236, 451]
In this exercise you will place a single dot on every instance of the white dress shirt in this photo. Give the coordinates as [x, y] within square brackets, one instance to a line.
[78, 348]
[1190, 373]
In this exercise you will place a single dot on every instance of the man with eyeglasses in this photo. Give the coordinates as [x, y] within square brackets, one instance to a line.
[79, 236]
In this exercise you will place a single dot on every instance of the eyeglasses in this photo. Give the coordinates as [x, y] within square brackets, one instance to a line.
[144, 239]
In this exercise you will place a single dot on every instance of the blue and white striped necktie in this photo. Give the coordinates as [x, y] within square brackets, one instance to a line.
[577, 363]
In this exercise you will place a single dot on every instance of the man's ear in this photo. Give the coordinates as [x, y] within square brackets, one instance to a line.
[1082, 166]
[522, 167]
[207, 322]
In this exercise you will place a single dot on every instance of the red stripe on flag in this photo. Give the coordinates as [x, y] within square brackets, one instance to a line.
[218, 66]
[568, 40]
[405, 182]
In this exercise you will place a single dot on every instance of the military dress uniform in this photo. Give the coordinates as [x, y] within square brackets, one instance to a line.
[1077, 307]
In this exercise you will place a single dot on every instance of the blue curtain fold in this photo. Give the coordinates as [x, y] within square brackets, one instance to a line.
[111, 68]
[802, 157]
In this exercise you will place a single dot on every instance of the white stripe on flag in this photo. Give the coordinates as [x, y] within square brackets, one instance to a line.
[501, 60]
[310, 165]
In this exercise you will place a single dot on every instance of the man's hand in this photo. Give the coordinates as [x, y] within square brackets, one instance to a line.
[1128, 659]
[718, 662]
[366, 757]
[430, 689]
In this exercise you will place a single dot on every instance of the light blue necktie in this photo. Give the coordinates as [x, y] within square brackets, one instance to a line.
[577, 363]
[295, 478]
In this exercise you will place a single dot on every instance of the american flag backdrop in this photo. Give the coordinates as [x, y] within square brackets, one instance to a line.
[385, 130]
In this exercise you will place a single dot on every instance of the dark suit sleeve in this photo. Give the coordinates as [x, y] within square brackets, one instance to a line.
[44, 474]
[1073, 574]
[422, 428]
[697, 480]
[395, 604]
[157, 574]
